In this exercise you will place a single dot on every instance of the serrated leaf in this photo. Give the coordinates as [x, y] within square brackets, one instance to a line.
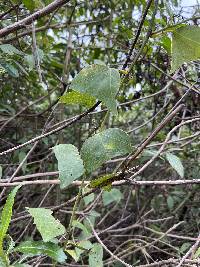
[185, 45]
[5, 221]
[7, 214]
[103, 146]
[70, 164]
[175, 163]
[41, 248]
[10, 50]
[113, 196]
[100, 82]
[78, 98]
[96, 256]
[46, 224]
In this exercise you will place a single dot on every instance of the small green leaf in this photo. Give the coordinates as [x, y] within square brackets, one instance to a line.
[170, 202]
[41, 248]
[176, 163]
[46, 224]
[88, 199]
[81, 226]
[7, 214]
[73, 254]
[103, 146]
[100, 82]
[78, 98]
[96, 256]
[113, 196]
[22, 265]
[70, 164]
[185, 45]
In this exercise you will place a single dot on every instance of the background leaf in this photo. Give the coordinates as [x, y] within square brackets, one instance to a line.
[103, 146]
[41, 248]
[70, 164]
[46, 224]
[113, 196]
[176, 163]
[185, 45]
[96, 256]
[100, 82]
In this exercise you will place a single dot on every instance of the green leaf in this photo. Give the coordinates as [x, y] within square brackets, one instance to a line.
[100, 82]
[22, 265]
[96, 256]
[10, 50]
[88, 199]
[41, 248]
[11, 70]
[81, 226]
[73, 254]
[176, 163]
[113, 196]
[170, 202]
[7, 214]
[31, 5]
[46, 224]
[78, 98]
[5, 221]
[185, 45]
[103, 146]
[70, 164]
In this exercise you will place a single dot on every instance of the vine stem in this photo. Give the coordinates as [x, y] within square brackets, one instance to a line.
[78, 197]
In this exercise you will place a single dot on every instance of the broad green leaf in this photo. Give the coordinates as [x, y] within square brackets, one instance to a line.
[41, 248]
[6, 215]
[100, 82]
[46, 224]
[10, 50]
[70, 164]
[31, 5]
[103, 146]
[78, 98]
[113, 196]
[185, 45]
[176, 163]
[96, 256]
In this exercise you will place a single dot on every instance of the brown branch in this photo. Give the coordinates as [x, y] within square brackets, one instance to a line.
[28, 20]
